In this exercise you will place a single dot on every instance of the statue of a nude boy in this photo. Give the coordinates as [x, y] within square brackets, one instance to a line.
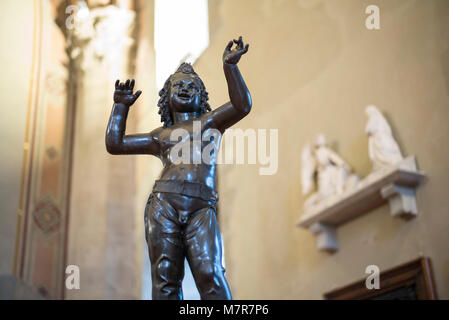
[180, 216]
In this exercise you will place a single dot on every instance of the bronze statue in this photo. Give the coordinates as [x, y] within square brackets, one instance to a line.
[180, 215]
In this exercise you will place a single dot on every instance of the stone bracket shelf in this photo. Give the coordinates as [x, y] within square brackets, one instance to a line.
[396, 186]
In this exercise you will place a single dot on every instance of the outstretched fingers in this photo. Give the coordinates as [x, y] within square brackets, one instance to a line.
[229, 46]
[239, 43]
[117, 84]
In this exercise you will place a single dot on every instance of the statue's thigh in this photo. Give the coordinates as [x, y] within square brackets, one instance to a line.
[163, 233]
[203, 238]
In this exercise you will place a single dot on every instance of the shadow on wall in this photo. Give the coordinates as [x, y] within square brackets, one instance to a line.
[442, 16]
[13, 288]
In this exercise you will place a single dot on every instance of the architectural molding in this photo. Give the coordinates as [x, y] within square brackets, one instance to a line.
[395, 185]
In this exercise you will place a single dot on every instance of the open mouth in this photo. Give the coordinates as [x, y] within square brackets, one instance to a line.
[184, 96]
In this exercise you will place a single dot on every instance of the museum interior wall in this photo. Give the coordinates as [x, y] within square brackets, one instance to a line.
[15, 86]
[103, 233]
[60, 101]
[312, 67]
[34, 137]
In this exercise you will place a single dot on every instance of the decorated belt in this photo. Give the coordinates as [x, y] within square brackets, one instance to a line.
[186, 188]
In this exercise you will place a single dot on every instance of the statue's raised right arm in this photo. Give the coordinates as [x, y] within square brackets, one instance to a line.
[116, 140]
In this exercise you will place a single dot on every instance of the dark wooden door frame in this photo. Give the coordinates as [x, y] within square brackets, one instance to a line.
[417, 272]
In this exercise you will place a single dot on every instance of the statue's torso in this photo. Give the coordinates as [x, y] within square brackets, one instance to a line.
[198, 164]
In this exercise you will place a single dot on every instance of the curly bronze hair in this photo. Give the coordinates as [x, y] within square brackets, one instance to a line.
[164, 93]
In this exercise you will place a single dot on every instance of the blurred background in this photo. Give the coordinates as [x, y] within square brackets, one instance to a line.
[312, 66]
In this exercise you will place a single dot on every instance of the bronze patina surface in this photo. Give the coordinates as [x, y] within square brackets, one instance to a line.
[180, 216]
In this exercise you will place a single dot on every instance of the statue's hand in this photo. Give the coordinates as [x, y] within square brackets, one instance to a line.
[124, 93]
[233, 56]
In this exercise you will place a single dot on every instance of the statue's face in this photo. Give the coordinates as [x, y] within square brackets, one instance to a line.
[185, 93]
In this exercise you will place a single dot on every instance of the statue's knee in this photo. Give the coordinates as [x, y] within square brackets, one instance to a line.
[167, 280]
[168, 271]
[163, 267]
[210, 275]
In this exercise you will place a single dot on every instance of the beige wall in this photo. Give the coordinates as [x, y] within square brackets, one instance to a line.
[34, 166]
[16, 58]
[145, 114]
[104, 237]
[313, 67]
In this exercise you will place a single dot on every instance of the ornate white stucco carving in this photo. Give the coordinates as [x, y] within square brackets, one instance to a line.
[383, 150]
[323, 167]
[341, 196]
[105, 35]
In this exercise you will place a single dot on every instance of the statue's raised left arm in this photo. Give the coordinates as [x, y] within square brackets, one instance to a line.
[240, 99]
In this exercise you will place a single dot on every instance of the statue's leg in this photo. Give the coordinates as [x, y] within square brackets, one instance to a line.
[205, 254]
[166, 250]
